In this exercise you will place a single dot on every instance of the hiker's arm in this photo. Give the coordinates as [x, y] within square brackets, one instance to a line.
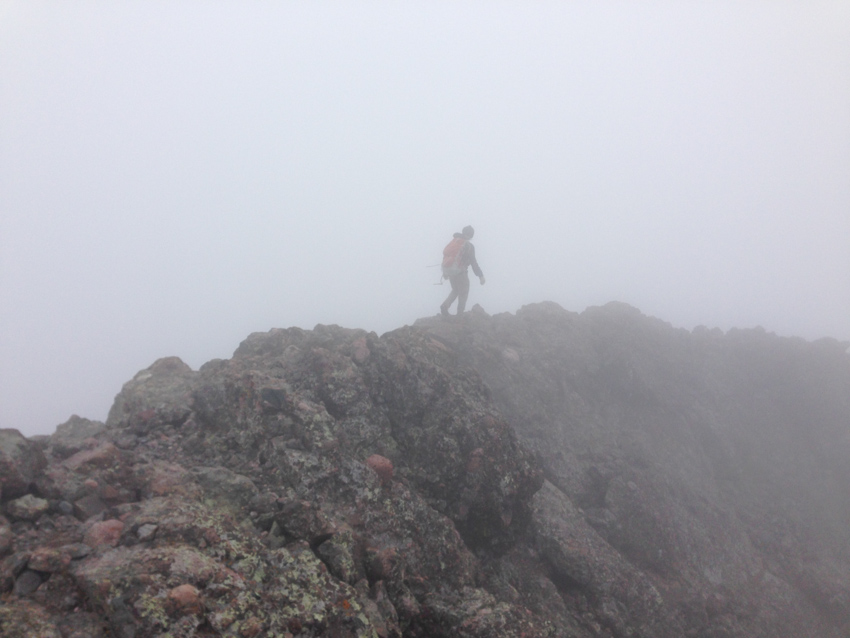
[474, 263]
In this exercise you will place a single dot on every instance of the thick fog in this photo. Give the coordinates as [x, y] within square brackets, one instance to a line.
[175, 176]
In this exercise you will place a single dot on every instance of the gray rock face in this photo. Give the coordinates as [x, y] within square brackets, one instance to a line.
[706, 460]
[336, 483]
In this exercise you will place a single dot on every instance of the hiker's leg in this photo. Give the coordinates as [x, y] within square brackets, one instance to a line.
[462, 291]
[444, 307]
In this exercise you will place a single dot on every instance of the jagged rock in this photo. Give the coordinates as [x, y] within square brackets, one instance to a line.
[20, 463]
[157, 396]
[336, 483]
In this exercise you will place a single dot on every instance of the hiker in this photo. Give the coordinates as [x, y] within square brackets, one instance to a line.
[457, 257]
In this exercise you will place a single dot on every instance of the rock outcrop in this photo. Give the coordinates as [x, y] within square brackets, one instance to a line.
[336, 483]
[718, 465]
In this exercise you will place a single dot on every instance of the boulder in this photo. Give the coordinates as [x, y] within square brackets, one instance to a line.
[74, 435]
[157, 396]
[20, 463]
[104, 534]
[27, 583]
[185, 599]
[27, 507]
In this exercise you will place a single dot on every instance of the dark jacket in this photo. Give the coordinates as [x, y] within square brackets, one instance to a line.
[467, 257]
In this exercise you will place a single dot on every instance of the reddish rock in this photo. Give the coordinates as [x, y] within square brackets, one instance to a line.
[382, 466]
[185, 599]
[104, 533]
[102, 456]
[50, 560]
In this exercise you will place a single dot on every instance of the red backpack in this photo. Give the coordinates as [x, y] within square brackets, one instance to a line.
[453, 257]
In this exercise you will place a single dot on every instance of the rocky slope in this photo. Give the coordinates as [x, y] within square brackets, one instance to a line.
[538, 474]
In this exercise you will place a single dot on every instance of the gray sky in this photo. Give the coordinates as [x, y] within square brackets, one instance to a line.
[174, 176]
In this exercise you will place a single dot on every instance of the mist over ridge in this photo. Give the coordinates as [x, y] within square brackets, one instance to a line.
[175, 177]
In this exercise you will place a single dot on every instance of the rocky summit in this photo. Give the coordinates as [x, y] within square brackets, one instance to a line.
[543, 473]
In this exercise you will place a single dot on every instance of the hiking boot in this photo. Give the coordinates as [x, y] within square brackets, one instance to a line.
[444, 311]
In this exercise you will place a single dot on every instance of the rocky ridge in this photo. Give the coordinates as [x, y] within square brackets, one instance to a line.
[538, 474]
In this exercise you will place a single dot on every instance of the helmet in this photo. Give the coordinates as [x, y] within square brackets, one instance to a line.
[468, 232]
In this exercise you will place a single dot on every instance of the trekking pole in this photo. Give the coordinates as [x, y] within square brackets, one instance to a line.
[439, 283]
